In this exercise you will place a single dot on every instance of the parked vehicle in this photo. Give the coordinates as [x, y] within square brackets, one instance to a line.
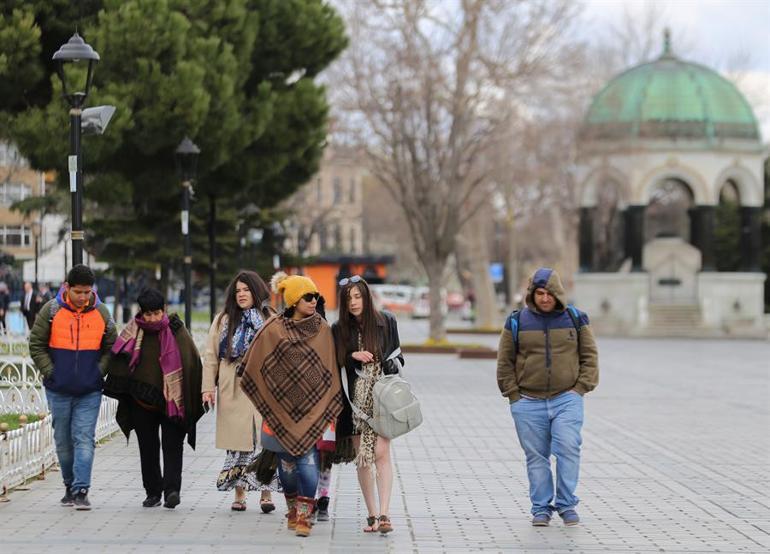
[421, 302]
[394, 298]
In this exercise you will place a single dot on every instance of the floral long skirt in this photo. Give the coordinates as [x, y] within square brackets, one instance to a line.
[234, 473]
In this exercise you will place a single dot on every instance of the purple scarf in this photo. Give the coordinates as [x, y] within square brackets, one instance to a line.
[130, 342]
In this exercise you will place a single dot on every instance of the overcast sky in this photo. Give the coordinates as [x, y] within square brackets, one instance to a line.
[716, 28]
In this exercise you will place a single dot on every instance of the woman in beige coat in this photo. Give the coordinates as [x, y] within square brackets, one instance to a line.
[238, 423]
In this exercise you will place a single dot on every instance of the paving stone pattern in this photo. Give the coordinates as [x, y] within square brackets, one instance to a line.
[675, 459]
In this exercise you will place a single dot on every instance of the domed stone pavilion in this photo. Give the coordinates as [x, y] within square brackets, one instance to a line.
[664, 143]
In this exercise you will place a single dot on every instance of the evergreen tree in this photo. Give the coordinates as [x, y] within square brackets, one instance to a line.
[236, 76]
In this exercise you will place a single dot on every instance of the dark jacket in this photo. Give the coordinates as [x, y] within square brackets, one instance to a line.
[70, 347]
[389, 341]
[145, 382]
[547, 358]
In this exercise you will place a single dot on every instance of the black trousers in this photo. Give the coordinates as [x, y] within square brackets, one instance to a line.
[146, 425]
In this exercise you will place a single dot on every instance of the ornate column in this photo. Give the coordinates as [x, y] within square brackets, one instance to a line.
[702, 220]
[586, 239]
[751, 239]
[634, 224]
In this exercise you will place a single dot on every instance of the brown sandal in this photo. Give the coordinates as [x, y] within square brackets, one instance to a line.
[371, 521]
[238, 506]
[385, 525]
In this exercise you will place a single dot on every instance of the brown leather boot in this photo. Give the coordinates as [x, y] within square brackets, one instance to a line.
[291, 515]
[304, 509]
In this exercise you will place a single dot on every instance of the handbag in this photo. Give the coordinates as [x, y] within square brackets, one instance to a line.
[396, 409]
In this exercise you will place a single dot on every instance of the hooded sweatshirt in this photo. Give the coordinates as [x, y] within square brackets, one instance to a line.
[68, 345]
[547, 361]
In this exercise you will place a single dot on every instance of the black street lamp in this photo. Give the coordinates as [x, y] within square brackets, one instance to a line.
[187, 162]
[36, 228]
[74, 51]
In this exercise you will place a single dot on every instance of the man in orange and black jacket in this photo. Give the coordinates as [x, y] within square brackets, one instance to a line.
[69, 343]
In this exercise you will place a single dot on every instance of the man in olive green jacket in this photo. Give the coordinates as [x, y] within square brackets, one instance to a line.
[547, 360]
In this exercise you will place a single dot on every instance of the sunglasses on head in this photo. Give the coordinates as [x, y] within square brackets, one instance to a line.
[309, 297]
[347, 280]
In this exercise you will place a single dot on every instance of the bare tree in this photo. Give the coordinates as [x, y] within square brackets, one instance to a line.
[422, 80]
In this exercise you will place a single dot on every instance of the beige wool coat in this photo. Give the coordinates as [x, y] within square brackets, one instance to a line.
[238, 422]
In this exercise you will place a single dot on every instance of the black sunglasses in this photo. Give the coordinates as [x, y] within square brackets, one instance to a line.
[309, 297]
[353, 279]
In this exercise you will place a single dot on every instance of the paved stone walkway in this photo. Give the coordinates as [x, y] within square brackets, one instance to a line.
[676, 459]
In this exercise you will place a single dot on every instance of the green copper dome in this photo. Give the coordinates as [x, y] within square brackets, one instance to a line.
[673, 99]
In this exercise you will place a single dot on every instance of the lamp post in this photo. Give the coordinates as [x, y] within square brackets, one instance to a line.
[36, 227]
[187, 162]
[74, 51]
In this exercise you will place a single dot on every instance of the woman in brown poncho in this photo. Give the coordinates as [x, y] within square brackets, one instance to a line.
[291, 376]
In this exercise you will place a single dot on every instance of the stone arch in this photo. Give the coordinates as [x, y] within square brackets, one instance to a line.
[749, 190]
[642, 193]
[588, 192]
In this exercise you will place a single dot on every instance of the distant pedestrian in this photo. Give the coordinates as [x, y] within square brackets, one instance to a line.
[247, 307]
[292, 377]
[547, 360]
[30, 304]
[5, 302]
[69, 344]
[155, 373]
[45, 293]
[364, 339]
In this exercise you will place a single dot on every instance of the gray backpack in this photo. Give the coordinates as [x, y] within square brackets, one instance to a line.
[396, 409]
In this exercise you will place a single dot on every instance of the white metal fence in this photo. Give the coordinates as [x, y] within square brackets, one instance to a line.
[29, 451]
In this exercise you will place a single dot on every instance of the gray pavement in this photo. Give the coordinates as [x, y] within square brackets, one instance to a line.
[676, 459]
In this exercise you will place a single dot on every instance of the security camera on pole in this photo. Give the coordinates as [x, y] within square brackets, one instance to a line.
[75, 51]
[92, 120]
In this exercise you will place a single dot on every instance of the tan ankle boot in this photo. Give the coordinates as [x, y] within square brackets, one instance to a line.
[304, 509]
[291, 504]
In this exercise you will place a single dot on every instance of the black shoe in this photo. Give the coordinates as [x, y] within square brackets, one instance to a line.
[323, 508]
[81, 500]
[67, 499]
[172, 500]
[151, 501]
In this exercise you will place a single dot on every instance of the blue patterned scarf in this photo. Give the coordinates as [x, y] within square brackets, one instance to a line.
[251, 322]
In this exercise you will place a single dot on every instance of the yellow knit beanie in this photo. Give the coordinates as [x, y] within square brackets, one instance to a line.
[292, 287]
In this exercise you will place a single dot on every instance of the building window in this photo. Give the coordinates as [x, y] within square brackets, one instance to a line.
[337, 190]
[15, 236]
[352, 194]
[13, 192]
[353, 240]
[9, 155]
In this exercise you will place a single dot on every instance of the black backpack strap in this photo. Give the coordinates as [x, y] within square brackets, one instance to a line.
[574, 315]
[515, 317]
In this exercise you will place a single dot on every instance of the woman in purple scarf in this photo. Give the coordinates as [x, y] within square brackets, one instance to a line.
[155, 372]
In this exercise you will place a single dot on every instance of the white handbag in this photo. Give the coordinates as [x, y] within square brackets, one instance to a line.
[396, 409]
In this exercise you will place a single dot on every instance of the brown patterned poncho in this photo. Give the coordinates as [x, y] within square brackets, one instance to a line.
[292, 378]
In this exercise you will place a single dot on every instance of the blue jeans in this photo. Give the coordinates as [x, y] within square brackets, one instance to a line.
[546, 427]
[299, 474]
[74, 426]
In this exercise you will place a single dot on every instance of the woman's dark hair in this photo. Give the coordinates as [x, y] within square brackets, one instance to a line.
[348, 327]
[150, 300]
[259, 293]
